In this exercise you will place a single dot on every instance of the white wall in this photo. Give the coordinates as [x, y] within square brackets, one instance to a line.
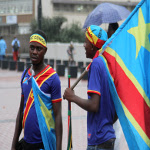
[59, 51]
[119, 0]
[47, 8]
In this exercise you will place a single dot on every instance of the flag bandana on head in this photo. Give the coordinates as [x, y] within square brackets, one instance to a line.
[96, 35]
[38, 38]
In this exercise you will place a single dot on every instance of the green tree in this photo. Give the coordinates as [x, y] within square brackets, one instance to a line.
[72, 33]
[55, 33]
[33, 25]
[52, 27]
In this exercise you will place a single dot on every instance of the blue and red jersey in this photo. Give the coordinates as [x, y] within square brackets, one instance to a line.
[49, 83]
[100, 124]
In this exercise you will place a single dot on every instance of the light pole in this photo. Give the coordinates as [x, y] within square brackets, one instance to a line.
[39, 14]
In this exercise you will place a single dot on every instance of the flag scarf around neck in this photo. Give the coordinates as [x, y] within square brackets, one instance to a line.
[46, 73]
[45, 117]
[127, 58]
[96, 55]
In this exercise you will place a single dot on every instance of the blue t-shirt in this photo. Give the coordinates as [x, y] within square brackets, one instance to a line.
[3, 47]
[100, 124]
[50, 86]
[13, 42]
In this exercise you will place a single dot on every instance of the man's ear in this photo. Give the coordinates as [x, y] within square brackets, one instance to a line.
[92, 47]
[95, 48]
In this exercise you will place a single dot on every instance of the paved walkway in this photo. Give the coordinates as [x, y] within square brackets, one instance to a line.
[9, 103]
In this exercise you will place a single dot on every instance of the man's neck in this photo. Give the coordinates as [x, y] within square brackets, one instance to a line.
[38, 68]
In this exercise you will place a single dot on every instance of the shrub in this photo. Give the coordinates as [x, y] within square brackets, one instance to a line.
[54, 31]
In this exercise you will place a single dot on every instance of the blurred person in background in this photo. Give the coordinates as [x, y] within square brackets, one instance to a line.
[15, 48]
[112, 27]
[3, 48]
[70, 52]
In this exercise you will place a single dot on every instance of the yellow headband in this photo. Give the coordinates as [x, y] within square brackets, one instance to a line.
[38, 38]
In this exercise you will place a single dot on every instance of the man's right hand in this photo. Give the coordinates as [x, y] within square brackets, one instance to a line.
[69, 94]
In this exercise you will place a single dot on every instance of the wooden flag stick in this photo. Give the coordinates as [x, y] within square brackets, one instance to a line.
[77, 81]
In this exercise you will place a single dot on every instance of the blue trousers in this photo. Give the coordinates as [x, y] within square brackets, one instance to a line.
[2, 57]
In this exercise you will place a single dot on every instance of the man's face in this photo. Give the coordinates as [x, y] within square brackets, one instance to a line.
[110, 31]
[37, 52]
[88, 49]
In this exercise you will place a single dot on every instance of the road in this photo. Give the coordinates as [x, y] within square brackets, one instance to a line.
[9, 103]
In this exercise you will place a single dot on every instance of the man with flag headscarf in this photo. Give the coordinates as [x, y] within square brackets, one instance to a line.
[40, 107]
[100, 107]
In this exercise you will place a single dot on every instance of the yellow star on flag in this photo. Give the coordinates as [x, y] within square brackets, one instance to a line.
[141, 33]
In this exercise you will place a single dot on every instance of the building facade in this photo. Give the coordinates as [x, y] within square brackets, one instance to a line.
[79, 9]
[16, 15]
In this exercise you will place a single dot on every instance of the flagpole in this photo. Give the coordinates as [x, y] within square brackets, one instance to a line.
[69, 145]
[69, 103]
[77, 81]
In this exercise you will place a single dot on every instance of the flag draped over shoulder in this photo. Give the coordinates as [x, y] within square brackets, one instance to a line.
[127, 58]
[45, 116]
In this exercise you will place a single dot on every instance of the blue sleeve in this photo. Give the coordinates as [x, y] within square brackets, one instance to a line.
[12, 43]
[56, 89]
[18, 43]
[94, 82]
[21, 82]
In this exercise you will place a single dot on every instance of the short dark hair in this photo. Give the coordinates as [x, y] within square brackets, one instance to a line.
[40, 32]
[114, 26]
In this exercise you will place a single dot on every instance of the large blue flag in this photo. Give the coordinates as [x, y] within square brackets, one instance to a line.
[127, 58]
[45, 116]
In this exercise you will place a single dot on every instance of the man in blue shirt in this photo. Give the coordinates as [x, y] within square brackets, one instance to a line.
[41, 119]
[100, 107]
[3, 48]
[15, 48]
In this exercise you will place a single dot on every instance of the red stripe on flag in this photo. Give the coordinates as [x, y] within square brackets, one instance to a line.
[68, 123]
[28, 105]
[129, 95]
[44, 76]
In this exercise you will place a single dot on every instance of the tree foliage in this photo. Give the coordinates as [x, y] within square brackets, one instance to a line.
[72, 33]
[55, 33]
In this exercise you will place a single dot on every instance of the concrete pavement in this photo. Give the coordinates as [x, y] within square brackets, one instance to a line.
[9, 104]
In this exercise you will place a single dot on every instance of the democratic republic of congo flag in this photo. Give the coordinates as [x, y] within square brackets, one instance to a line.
[127, 57]
[43, 105]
